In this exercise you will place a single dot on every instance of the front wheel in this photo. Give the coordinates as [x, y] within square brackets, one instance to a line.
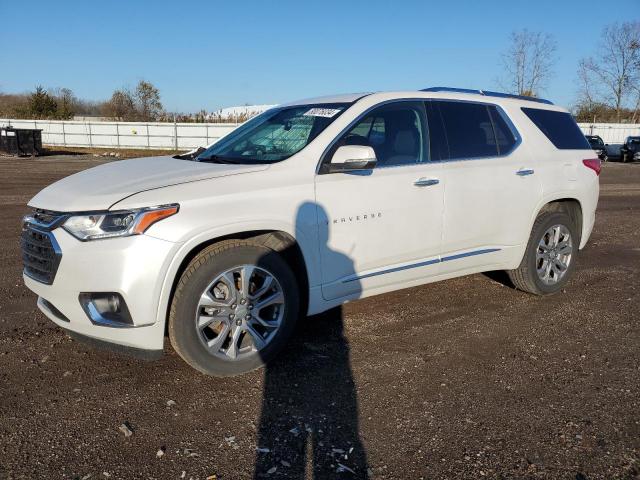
[234, 308]
[550, 256]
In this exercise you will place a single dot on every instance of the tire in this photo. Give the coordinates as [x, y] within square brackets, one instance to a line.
[527, 277]
[207, 276]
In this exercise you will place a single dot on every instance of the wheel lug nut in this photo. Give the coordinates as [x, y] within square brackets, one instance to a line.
[233, 306]
[243, 301]
[231, 317]
[250, 307]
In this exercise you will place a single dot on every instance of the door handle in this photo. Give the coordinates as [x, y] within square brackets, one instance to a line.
[523, 172]
[426, 182]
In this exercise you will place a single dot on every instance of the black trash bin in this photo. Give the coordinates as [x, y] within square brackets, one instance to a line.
[21, 141]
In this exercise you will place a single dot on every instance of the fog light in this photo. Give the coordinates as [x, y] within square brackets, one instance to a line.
[106, 308]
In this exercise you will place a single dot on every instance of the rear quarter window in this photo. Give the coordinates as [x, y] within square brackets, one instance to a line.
[559, 127]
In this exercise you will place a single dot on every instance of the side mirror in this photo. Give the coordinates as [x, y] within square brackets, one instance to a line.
[349, 158]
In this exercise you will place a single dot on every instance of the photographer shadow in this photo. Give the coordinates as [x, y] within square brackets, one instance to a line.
[309, 419]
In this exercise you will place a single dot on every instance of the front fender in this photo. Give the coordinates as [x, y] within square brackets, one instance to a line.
[306, 242]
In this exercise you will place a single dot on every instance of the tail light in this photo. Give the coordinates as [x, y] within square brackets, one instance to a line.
[594, 164]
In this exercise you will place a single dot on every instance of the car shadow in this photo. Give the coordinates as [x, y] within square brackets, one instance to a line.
[499, 276]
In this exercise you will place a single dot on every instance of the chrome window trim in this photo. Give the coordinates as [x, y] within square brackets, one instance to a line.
[505, 117]
[353, 124]
[499, 109]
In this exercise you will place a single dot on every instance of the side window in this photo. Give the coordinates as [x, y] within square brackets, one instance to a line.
[559, 127]
[504, 135]
[395, 131]
[469, 130]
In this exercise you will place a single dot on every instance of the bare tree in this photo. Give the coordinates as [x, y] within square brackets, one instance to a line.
[616, 68]
[587, 92]
[636, 110]
[121, 105]
[141, 104]
[67, 102]
[528, 63]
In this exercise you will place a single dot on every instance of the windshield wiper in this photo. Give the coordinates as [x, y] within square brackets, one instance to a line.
[218, 159]
[234, 161]
[190, 156]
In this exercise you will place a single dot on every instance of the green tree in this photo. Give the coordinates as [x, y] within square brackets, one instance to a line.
[41, 104]
[148, 101]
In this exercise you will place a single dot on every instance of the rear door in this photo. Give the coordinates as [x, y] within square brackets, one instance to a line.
[491, 185]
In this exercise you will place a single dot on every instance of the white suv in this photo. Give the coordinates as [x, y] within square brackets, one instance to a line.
[305, 207]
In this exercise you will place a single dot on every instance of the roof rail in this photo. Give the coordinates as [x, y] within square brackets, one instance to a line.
[486, 93]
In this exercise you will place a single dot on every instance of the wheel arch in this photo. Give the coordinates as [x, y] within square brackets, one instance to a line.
[278, 240]
[571, 206]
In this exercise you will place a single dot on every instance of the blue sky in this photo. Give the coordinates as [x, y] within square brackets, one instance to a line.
[211, 54]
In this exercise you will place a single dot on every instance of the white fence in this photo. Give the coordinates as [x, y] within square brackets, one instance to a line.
[177, 136]
[611, 132]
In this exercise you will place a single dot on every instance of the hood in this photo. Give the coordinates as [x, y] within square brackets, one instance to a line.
[100, 187]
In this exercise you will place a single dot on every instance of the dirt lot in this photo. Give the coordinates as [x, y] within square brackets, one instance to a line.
[460, 379]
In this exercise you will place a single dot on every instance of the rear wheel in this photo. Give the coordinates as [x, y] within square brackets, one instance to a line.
[550, 256]
[234, 308]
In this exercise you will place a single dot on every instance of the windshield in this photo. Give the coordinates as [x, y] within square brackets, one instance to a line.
[274, 135]
[595, 141]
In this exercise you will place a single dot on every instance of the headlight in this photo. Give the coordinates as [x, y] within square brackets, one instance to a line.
[96, 225]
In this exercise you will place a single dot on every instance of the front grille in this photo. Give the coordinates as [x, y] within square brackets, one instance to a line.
[40, 253]
[46, 218]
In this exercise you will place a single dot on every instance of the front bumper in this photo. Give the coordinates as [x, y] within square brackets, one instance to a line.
[135, 267]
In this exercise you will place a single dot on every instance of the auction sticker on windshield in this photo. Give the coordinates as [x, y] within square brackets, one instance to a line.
[322, 112]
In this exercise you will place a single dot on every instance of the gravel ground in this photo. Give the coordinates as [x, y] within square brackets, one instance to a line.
[466, 378]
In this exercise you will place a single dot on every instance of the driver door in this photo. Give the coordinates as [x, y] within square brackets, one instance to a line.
[380, 229]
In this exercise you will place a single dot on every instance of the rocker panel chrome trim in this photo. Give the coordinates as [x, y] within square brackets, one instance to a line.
[422, 264]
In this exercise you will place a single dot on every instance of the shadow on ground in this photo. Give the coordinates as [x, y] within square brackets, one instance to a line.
[309, 421]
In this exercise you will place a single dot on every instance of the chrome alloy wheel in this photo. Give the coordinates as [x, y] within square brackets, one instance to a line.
[240, 312]
[554, 254]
